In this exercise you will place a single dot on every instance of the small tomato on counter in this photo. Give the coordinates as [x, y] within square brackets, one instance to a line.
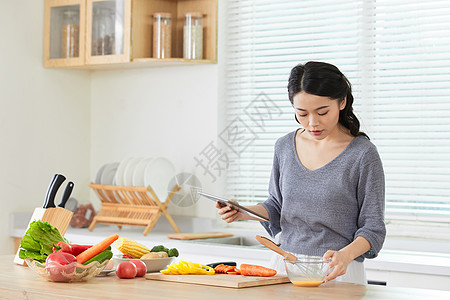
[140, 266]
[126, 270]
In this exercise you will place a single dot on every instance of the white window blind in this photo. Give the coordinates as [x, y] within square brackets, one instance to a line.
[397, 56]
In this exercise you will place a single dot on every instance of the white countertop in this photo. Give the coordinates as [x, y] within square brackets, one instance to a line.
[202, 251]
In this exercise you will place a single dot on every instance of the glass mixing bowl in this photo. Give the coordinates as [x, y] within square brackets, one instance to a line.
[308, 272]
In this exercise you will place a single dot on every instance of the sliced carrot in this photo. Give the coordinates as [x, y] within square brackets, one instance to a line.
[229, 269]
[254, 270]
[224, 269]
[235, 271]
[219, 268]
[96, 249]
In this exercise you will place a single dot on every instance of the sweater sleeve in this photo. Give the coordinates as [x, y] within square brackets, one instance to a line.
[274, 201]
[371, 201]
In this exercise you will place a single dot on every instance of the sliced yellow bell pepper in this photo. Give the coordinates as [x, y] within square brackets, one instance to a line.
[187, 267]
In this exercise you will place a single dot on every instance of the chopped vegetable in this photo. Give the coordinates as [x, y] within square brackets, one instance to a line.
[254, 270]
[188, 268]
[38, 241]
[130, 247]
[126, 256]
[224, 269]
[173, 252]
[96, 249]
[159, 248]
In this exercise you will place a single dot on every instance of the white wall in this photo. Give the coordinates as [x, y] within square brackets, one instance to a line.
[173, 112]
[158, 112]
[72, 122]
[44, 117]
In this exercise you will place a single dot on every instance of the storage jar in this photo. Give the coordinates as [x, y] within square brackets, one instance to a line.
[162, 35]
[193, 36]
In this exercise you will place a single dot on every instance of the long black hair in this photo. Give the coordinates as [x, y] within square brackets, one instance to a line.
[324, 79]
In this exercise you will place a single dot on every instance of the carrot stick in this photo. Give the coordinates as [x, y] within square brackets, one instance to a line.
[220, 268]
[96, 249]
[229, 269]
[233, 273]
[254, 270]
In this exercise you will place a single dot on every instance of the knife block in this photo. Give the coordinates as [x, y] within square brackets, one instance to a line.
[56, 216]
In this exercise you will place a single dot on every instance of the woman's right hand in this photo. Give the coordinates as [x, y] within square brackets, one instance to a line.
[229, 214]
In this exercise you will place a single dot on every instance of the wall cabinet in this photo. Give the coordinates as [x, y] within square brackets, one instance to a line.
[105, 34]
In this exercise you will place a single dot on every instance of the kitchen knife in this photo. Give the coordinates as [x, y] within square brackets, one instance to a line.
[56, 182]
[227, 263]
[66, 195]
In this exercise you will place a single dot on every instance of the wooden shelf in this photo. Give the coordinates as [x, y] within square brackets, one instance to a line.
[137, 34]
[145, 63]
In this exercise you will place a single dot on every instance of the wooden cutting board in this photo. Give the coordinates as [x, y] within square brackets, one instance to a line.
[197, 235]
[222, 280]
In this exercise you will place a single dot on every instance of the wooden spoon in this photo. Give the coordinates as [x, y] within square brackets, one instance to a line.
[274, 247]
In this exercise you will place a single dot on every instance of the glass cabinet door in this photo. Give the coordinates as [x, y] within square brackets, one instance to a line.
[64, 33]
[108, 31]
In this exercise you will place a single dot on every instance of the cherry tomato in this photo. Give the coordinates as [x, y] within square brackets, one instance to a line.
[126, 270]
[140, 266]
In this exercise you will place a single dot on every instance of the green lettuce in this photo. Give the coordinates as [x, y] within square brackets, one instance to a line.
[38, 241]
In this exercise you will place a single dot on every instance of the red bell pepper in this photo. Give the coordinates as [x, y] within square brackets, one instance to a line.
[72, 248]
[77, 249]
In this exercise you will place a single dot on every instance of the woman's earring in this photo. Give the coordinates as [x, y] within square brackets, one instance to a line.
[295, 115]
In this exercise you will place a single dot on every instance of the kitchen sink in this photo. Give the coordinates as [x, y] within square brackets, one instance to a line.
[232, 241]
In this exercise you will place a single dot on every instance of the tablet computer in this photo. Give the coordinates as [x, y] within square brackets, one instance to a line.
[236, 206]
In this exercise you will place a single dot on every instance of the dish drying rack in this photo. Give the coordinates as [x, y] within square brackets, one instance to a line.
[132, 206]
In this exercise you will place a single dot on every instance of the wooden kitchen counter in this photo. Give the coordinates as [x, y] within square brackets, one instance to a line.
[19, 282]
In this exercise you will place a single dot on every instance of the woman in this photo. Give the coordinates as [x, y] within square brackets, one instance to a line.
[326, 190]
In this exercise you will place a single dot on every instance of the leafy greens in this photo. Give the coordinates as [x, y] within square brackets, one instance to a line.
[38, 241]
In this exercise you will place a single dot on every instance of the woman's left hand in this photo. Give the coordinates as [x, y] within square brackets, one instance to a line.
[339, 260]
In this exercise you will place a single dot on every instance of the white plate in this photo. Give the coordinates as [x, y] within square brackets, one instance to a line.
[99, 174]
[121, 171]
[129, 171]
[109, 173]
[106, 272]
[158, 173]
[139, 172]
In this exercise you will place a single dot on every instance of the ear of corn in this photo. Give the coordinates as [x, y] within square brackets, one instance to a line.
[130, 247]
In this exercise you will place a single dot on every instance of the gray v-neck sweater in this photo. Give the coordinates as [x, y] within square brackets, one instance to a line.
[327, 208]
